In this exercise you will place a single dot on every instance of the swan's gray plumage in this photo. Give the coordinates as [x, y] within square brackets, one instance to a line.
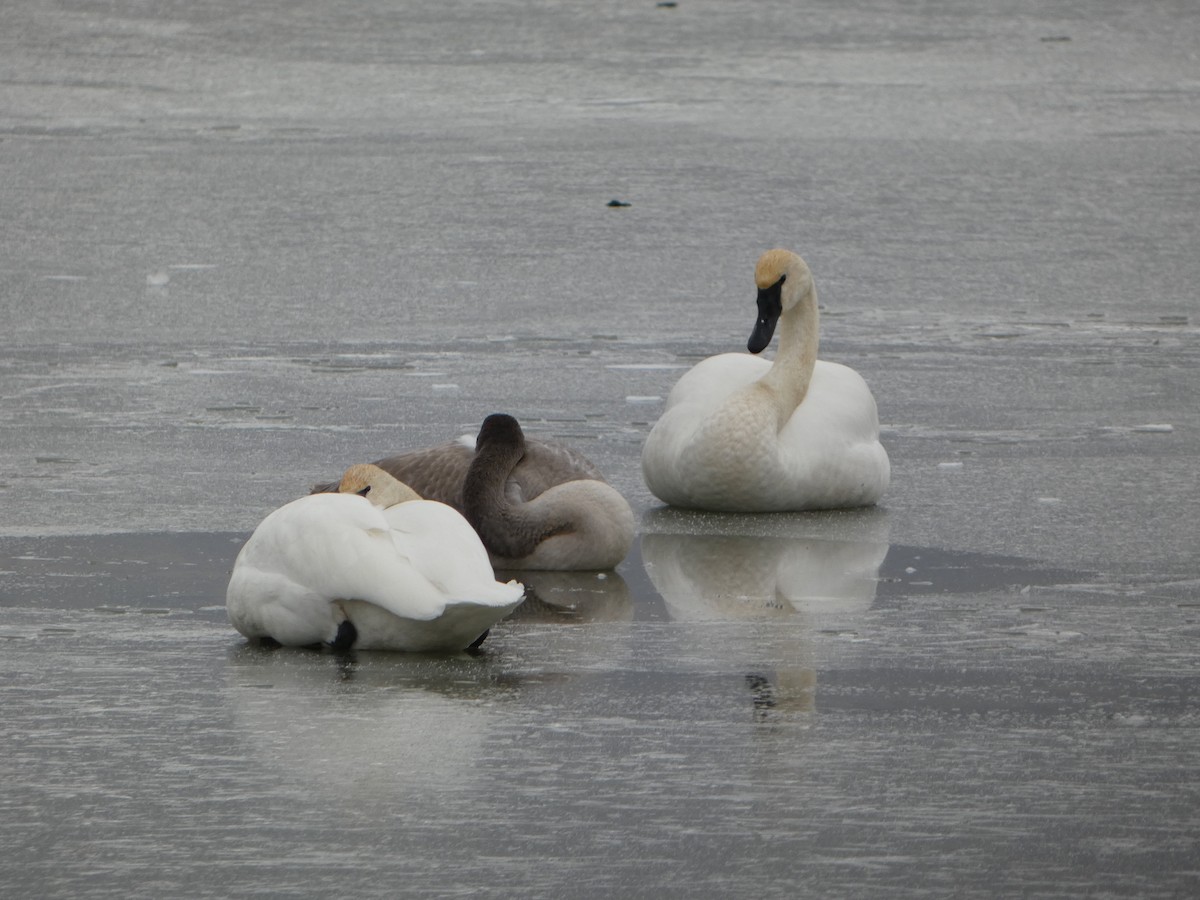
[536, 504]
[510, 526]
[437, 473]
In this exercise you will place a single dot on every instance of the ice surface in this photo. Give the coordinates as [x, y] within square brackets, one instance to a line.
[246, 245]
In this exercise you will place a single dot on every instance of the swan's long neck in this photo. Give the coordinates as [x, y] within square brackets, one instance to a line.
[792, 371]
[507, 528]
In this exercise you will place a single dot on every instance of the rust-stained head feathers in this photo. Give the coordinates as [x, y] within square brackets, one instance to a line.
[775, 264]
[376, 485]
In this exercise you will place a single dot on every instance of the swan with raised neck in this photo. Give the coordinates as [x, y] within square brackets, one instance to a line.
[787, 298]
[745, 434]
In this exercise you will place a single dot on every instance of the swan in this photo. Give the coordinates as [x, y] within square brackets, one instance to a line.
[578, 524]
[536, 504]
[743, 434]
[371, 567]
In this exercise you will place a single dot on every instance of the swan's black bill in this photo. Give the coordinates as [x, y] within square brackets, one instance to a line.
[770, 308]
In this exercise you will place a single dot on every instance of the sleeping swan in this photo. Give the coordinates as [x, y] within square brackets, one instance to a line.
[579, 524]
[536, 504]
[742, 434]
[372, 567]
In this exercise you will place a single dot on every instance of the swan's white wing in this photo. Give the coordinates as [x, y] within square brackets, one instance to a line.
[830, 445]
[330, 547]
[423, 585]
[669, 463]
[711, 380]
[263, 602]
[838, 402]
[272, 590]
[443, 547]
[701, 391]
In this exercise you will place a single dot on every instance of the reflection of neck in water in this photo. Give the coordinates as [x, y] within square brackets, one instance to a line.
[792, 690]
[709, 577]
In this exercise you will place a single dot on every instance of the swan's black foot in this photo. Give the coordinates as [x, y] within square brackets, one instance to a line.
[479, 640]
[268, 643]
[346, 635]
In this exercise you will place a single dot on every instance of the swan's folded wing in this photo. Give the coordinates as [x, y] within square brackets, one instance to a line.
[838, 403]
[340, 547]
[446, 551]
[267, 603]
[831, 443]
[437, 473]
[548, 463]
[713, 379]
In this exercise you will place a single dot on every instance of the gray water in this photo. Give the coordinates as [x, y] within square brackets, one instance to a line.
[245, 245]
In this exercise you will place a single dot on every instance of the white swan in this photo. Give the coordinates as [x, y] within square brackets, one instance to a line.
[372, 567]
[742, 434]
[536, 504]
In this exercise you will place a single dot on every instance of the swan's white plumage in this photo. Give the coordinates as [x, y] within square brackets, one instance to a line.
[414, 576]
[744, 434]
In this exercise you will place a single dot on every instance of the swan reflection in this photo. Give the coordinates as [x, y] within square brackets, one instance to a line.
[732, 576]
[791, 586]
[368, 730]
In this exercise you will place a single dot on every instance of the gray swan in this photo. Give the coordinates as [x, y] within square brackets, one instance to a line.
[536, 504]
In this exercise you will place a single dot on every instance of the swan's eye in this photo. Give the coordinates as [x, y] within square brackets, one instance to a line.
[364, 491]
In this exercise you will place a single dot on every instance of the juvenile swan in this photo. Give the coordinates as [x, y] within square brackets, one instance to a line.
[577, 524]
[537, 504]
[372, 567]
[742, 434]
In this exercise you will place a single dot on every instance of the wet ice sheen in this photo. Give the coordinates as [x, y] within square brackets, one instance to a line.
[985, 688]
[773, 710]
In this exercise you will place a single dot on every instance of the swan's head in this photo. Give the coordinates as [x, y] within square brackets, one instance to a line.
[372, 482]
[501, 430]
[783, 280]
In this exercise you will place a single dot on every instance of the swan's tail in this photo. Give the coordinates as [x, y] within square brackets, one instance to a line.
[460, 625]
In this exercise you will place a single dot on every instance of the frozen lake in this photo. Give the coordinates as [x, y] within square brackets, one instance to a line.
[246, 245]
